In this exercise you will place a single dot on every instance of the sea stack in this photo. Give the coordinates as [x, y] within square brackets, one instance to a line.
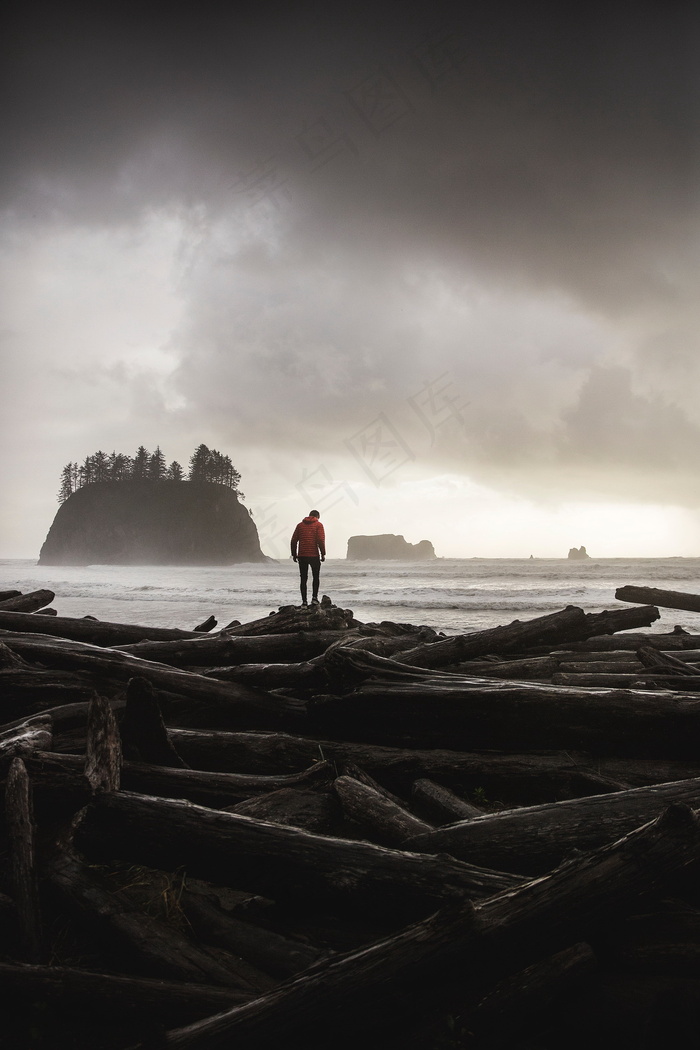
[578, 553]
[388, 547]
[152, 523]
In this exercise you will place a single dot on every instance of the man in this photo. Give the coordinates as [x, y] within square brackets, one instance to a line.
[309, 550]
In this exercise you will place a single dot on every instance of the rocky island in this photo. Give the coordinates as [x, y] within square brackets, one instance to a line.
[145, 522]
[578, 553]
[388, 547]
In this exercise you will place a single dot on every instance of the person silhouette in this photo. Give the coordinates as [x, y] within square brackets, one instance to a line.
[309, 550]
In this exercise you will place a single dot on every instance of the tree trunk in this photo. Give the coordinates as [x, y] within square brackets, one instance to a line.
[84, 629]
[208, 625]
[25, 884]
[656, 596]
[55, 774]
[103, 753]
[315, 811]
[441, 805]
[24, 690]
[533, 839]
[281, 862]
[268, 951]
[429, 963]
[473, 713]
[381, 821]
[291, 620]
[27, 603]
[223, 650]
[519, 777]
[153, 946]
[244, 706]
[143, 733]
[117, 994]
[569, 624]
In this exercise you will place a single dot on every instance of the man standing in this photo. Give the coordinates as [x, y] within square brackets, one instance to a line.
[309, 550]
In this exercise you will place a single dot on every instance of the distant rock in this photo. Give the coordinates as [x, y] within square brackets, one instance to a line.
[152, 523]
[388, 547]
[578, 553]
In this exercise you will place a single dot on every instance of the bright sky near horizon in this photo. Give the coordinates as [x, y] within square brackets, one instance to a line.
[429, 268]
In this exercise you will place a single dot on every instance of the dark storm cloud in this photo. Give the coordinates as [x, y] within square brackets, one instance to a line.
[372, 197]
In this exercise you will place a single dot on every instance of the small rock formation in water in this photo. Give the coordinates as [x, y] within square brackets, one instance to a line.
[148, 522]
[389, 547]
[578, 552]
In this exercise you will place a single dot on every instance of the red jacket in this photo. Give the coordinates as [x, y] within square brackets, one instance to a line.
[310, 537]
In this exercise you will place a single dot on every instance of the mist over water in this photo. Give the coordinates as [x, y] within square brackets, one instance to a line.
[451, 595]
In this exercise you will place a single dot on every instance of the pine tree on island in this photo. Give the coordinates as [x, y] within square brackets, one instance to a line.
[206, 465]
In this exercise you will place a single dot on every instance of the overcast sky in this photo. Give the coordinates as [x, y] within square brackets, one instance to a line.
[433, 273]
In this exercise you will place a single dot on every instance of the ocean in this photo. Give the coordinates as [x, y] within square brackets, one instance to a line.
[453, 595]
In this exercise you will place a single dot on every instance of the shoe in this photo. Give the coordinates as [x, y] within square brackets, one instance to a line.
[304, 605]
[315, 601]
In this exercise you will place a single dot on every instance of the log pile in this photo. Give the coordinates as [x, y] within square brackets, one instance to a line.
[307, 830]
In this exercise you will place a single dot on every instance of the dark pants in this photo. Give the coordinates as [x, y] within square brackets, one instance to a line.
[315, 565]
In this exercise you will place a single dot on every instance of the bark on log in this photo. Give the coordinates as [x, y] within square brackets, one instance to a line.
[279, 861]
[4, 595]
[658, 596]
[84, 629]
[381, 821]
[441, 805]
[315, 811]
[243, 706]
[528, 667]
[517, 1004]
[668, 642]
[223, 650]
[53, 774]
[35, 734]
[23, 874]
[24, 690]
[268, 951]
[534, 839]
[518, 635]
[569, 624]
[27, 603]
[290, 620]
[155, 947]
[523, 776]
[208, 625]
[466, 945]
[474, 713]
[650, 657]
[114, 992]
[103, 755]
[143, 733]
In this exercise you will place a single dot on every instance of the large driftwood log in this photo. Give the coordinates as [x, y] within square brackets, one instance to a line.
[83, 629]
[103, 752]
[569, 624]
[290, 619]
[224, 650]
[24, 690]
[428, 963]
[381, 820]
[533, 839]
[657, 596]
[19, 815]
[282, 862]
[243, 705]
[143, 733]
[315, 811]
[669, 641]
[27, 603]
[441, 805]
[156, 947]
[268, 951]
[167, 999]
[55, 774]
[522, 776]
[465, 712]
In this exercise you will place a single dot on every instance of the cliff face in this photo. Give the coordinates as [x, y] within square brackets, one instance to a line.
[152, 523]
[390, 547]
